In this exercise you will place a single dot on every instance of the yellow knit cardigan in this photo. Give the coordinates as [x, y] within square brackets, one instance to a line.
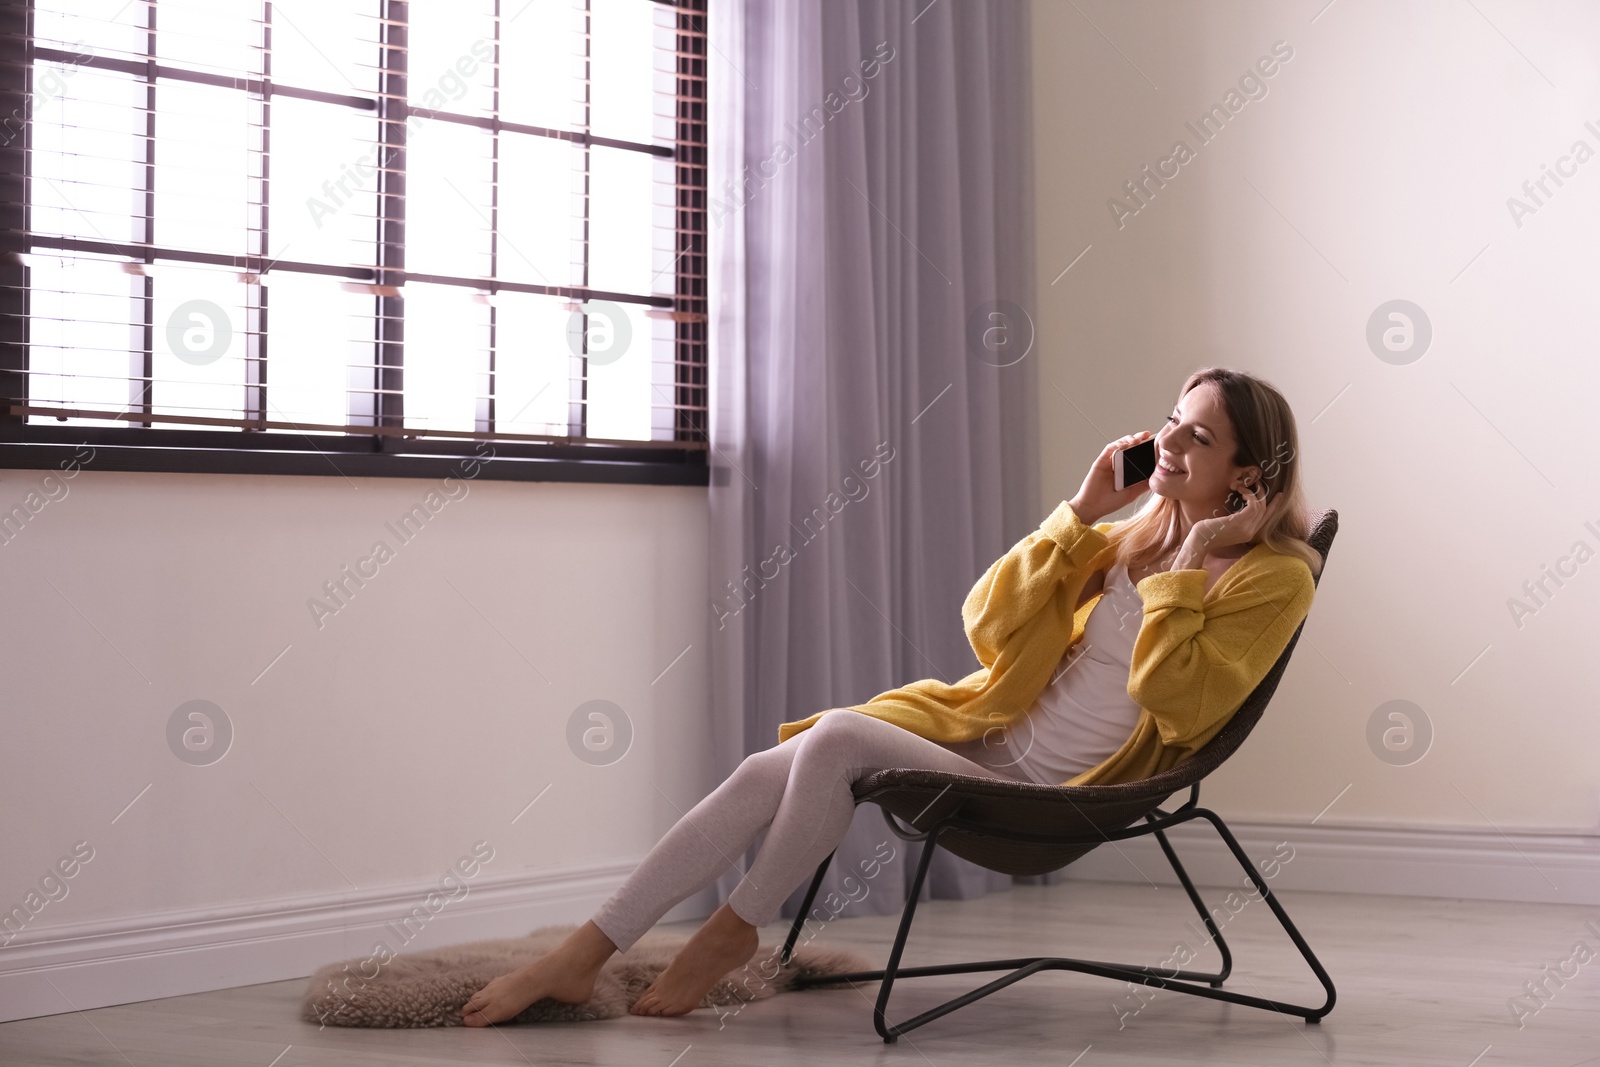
[1197, 657]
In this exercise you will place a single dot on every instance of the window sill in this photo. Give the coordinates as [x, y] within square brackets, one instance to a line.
[232, 452]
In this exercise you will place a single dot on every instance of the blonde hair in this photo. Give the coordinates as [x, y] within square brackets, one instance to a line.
[1265, 437]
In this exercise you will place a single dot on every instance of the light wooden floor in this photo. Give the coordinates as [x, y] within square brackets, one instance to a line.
[1421, 981]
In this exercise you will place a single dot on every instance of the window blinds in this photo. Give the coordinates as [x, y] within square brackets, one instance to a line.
[467, 219]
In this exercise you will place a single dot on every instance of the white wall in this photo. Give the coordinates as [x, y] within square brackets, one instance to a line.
[1378, 166]
[421, 718]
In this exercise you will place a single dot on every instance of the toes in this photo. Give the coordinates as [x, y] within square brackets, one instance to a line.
[475, 1013]
[653, 1004]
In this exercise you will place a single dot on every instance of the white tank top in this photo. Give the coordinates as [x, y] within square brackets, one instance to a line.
[1084, 713]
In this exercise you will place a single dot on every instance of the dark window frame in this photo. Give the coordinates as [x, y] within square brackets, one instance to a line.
[390, 450]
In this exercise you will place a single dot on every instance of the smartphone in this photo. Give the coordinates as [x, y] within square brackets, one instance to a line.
[1133, 465]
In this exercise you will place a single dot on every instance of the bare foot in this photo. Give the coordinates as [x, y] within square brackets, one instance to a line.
[566, 974]
[724, 943]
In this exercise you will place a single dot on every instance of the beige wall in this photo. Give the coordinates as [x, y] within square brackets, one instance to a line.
[1377, 166]
[421, 718]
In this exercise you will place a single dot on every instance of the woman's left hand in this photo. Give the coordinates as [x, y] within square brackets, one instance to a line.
[1239, 527]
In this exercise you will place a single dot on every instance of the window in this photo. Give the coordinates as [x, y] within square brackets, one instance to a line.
[355, 236]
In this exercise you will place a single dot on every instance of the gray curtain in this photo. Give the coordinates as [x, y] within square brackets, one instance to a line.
[873, 415]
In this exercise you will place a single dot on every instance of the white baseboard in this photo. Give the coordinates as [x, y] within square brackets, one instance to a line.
[1470, 863]
[63, 967]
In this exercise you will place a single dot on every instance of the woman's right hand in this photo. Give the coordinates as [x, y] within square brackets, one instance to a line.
[1096, 497]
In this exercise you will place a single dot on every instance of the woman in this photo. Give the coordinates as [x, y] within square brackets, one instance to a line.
[1180, 629]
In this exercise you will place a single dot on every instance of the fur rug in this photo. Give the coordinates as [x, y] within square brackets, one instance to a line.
[428, 988]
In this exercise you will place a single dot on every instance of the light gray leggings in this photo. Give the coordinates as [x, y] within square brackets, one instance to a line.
[802, 789]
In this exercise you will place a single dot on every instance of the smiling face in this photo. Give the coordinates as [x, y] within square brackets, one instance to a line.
[1198, 441]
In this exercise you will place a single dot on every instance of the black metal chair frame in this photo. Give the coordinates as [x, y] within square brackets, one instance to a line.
[979, 836]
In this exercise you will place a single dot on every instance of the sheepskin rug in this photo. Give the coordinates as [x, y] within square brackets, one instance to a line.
[428, 988]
